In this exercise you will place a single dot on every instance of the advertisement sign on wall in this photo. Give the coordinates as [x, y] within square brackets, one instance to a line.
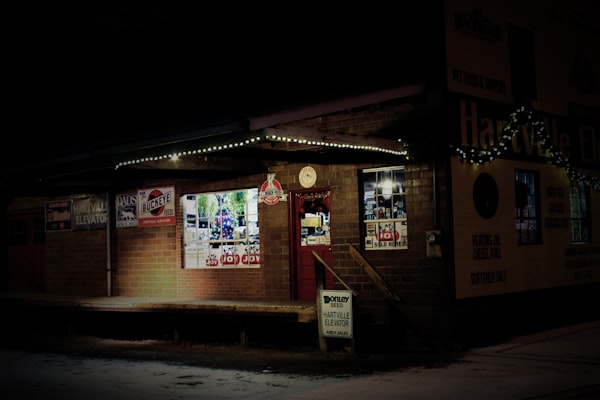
[90, 213]
[512, 202]
[156, 207]
[58, 215]
[126, 210]
[491, 258]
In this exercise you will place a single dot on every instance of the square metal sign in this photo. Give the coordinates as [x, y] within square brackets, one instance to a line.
[335, 317]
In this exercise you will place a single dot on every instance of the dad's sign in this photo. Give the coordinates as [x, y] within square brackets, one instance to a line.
[336, 313]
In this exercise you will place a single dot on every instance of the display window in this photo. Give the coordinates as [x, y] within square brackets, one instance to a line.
[221, 229]
[384, 209]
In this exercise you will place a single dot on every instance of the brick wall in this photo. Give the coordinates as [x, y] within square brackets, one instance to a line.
[76, 263]
[425, 284]
[148, 261]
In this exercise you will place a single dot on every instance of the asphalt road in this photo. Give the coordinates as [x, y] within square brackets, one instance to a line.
[562, 363]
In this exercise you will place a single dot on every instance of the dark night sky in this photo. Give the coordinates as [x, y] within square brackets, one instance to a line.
[118, 71]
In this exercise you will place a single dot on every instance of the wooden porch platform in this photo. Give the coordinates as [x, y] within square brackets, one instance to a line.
[304, 311]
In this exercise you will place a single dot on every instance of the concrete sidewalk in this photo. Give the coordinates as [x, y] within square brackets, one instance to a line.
[579, 343]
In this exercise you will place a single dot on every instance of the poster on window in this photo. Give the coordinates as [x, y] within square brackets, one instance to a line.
[238, 255]
[387, 236]
[58, 215]
[90, 213]
[250, 255]
[156, 207]
[191, 258]
[233, 255]
[197, 256]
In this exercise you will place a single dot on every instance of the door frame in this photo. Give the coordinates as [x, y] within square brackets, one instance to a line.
[293, 235]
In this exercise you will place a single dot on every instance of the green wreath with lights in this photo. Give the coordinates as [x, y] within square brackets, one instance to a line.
[524, 116]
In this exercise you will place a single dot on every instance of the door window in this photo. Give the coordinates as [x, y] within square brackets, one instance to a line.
[315, 219]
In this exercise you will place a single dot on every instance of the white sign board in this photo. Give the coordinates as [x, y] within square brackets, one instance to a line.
[336, 313]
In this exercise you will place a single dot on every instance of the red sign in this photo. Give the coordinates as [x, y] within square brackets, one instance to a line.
[270, 191]
[388, 236]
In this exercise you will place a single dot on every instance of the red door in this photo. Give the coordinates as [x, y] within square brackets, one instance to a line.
[311, 231]
[26, 248]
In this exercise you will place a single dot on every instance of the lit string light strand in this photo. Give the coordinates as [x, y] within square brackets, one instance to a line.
[523, 116]
[262, 138]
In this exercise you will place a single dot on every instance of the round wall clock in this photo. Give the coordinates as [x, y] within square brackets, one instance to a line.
[307, 176]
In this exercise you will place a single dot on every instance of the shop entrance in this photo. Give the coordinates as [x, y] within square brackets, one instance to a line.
[311, 231]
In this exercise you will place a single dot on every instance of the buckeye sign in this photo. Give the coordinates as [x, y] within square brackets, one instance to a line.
[156, 207]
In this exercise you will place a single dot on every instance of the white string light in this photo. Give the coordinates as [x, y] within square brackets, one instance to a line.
[258, 139]
[520, 117]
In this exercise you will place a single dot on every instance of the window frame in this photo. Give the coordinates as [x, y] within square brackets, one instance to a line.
[578, 201]
[383, 228]
[525, 198]
[237, 240]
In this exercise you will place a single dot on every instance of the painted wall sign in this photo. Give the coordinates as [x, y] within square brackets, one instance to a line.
[473, 23]
[479, 48]
[583, 263]
[271, 191]
[126, 210]
[474, 80]
[336, 313]
[472, 35]
[491, 255]
[481, 125]
[489, 260]
[156, 207]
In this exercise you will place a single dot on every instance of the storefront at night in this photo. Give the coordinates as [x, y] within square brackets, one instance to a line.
[469, 195]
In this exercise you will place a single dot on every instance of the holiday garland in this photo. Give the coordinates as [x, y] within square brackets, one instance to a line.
[523, 116]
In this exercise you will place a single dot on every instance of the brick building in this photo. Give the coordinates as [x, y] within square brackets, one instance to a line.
[470, 190]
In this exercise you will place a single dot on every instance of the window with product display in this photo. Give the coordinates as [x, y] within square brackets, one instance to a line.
[315, 218]
[221, 229]
[384, 209]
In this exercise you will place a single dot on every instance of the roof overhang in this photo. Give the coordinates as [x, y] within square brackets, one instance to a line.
[217, 151]
[295, 144]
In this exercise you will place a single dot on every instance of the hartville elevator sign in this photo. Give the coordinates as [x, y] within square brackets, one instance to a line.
[336, 313]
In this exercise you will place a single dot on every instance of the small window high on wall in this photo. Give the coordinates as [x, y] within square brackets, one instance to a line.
[221, 229]
[384, 224]
[580, 214]
[527, 206]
